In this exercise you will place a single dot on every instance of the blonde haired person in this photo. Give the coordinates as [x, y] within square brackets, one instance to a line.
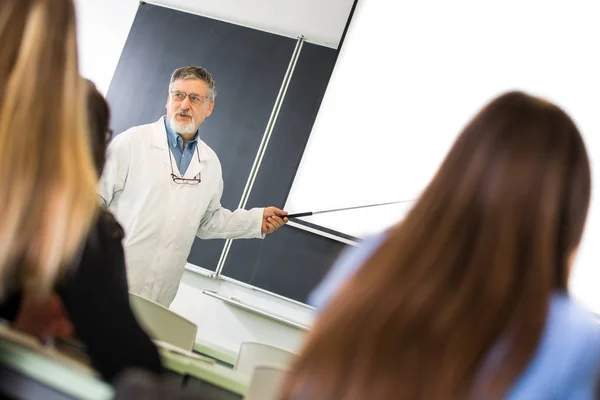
[53, 235]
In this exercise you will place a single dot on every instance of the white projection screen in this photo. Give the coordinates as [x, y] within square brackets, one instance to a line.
[411, 74]
[409, 77]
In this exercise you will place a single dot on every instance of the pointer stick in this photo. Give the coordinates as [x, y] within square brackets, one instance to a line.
[309, 213]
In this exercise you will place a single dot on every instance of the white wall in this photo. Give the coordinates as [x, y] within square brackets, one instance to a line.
[102, 29]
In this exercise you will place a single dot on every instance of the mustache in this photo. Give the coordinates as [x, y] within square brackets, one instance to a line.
[183, 113]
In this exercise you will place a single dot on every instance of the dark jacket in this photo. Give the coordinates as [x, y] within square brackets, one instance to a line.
[96, 298]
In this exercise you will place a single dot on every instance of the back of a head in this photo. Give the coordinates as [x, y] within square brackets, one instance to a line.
[99, 116]
[47, 176]
[471, 268]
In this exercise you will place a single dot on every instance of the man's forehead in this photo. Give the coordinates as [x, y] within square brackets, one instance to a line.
[191, 86]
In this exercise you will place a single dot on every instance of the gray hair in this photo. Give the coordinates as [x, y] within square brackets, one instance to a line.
[199, 73]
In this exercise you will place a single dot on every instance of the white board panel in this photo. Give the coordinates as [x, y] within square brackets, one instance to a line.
[410, 75]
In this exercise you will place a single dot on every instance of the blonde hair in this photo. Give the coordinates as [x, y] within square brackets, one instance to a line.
[47, 176]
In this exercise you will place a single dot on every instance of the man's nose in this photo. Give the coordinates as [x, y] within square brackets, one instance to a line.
[185, 104]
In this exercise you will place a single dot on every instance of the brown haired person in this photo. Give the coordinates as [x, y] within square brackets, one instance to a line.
[467, 296]
[54, 236]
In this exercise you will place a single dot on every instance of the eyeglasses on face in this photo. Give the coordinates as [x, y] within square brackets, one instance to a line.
[179, 96]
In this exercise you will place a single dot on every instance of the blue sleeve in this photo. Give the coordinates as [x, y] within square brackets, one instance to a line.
[583, 382]
[566, 364]
[345, 266]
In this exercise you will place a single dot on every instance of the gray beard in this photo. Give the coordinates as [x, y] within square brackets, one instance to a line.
[184, 129]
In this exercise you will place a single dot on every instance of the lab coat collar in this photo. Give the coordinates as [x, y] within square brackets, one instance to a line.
[158, 137]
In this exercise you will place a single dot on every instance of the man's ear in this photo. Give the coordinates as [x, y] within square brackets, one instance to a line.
[211, 106]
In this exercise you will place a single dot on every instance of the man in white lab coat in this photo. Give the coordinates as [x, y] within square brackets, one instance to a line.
[164, 186]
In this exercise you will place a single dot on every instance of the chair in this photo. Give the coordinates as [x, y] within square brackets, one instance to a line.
[29, 370]
[266, 382]
[254, 354]
[163, 324]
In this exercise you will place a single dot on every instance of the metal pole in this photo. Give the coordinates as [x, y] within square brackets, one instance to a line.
[263, 144]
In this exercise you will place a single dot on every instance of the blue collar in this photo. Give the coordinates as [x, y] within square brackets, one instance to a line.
[175, 139]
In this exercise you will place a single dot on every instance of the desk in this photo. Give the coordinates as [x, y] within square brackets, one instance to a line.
[221, 354]
[44, 374]
[205, 375]
[72, 375]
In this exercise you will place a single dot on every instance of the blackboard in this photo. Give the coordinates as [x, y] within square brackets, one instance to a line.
[248, 66]
[291, 261]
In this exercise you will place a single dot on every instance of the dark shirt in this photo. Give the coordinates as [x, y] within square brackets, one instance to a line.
[96, 298]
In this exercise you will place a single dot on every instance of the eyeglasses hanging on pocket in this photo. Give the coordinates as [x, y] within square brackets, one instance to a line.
[181, 180]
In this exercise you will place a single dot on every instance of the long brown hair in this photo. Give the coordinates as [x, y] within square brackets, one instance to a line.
[453, 303]
[47, 177]
[99, 115]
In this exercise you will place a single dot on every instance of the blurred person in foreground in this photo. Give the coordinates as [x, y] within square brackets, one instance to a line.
[54, 236]
[467, 296]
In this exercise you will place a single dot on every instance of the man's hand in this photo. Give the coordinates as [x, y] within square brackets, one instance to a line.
[273, 219]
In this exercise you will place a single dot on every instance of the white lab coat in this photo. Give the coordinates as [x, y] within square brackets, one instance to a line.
[160, 217]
